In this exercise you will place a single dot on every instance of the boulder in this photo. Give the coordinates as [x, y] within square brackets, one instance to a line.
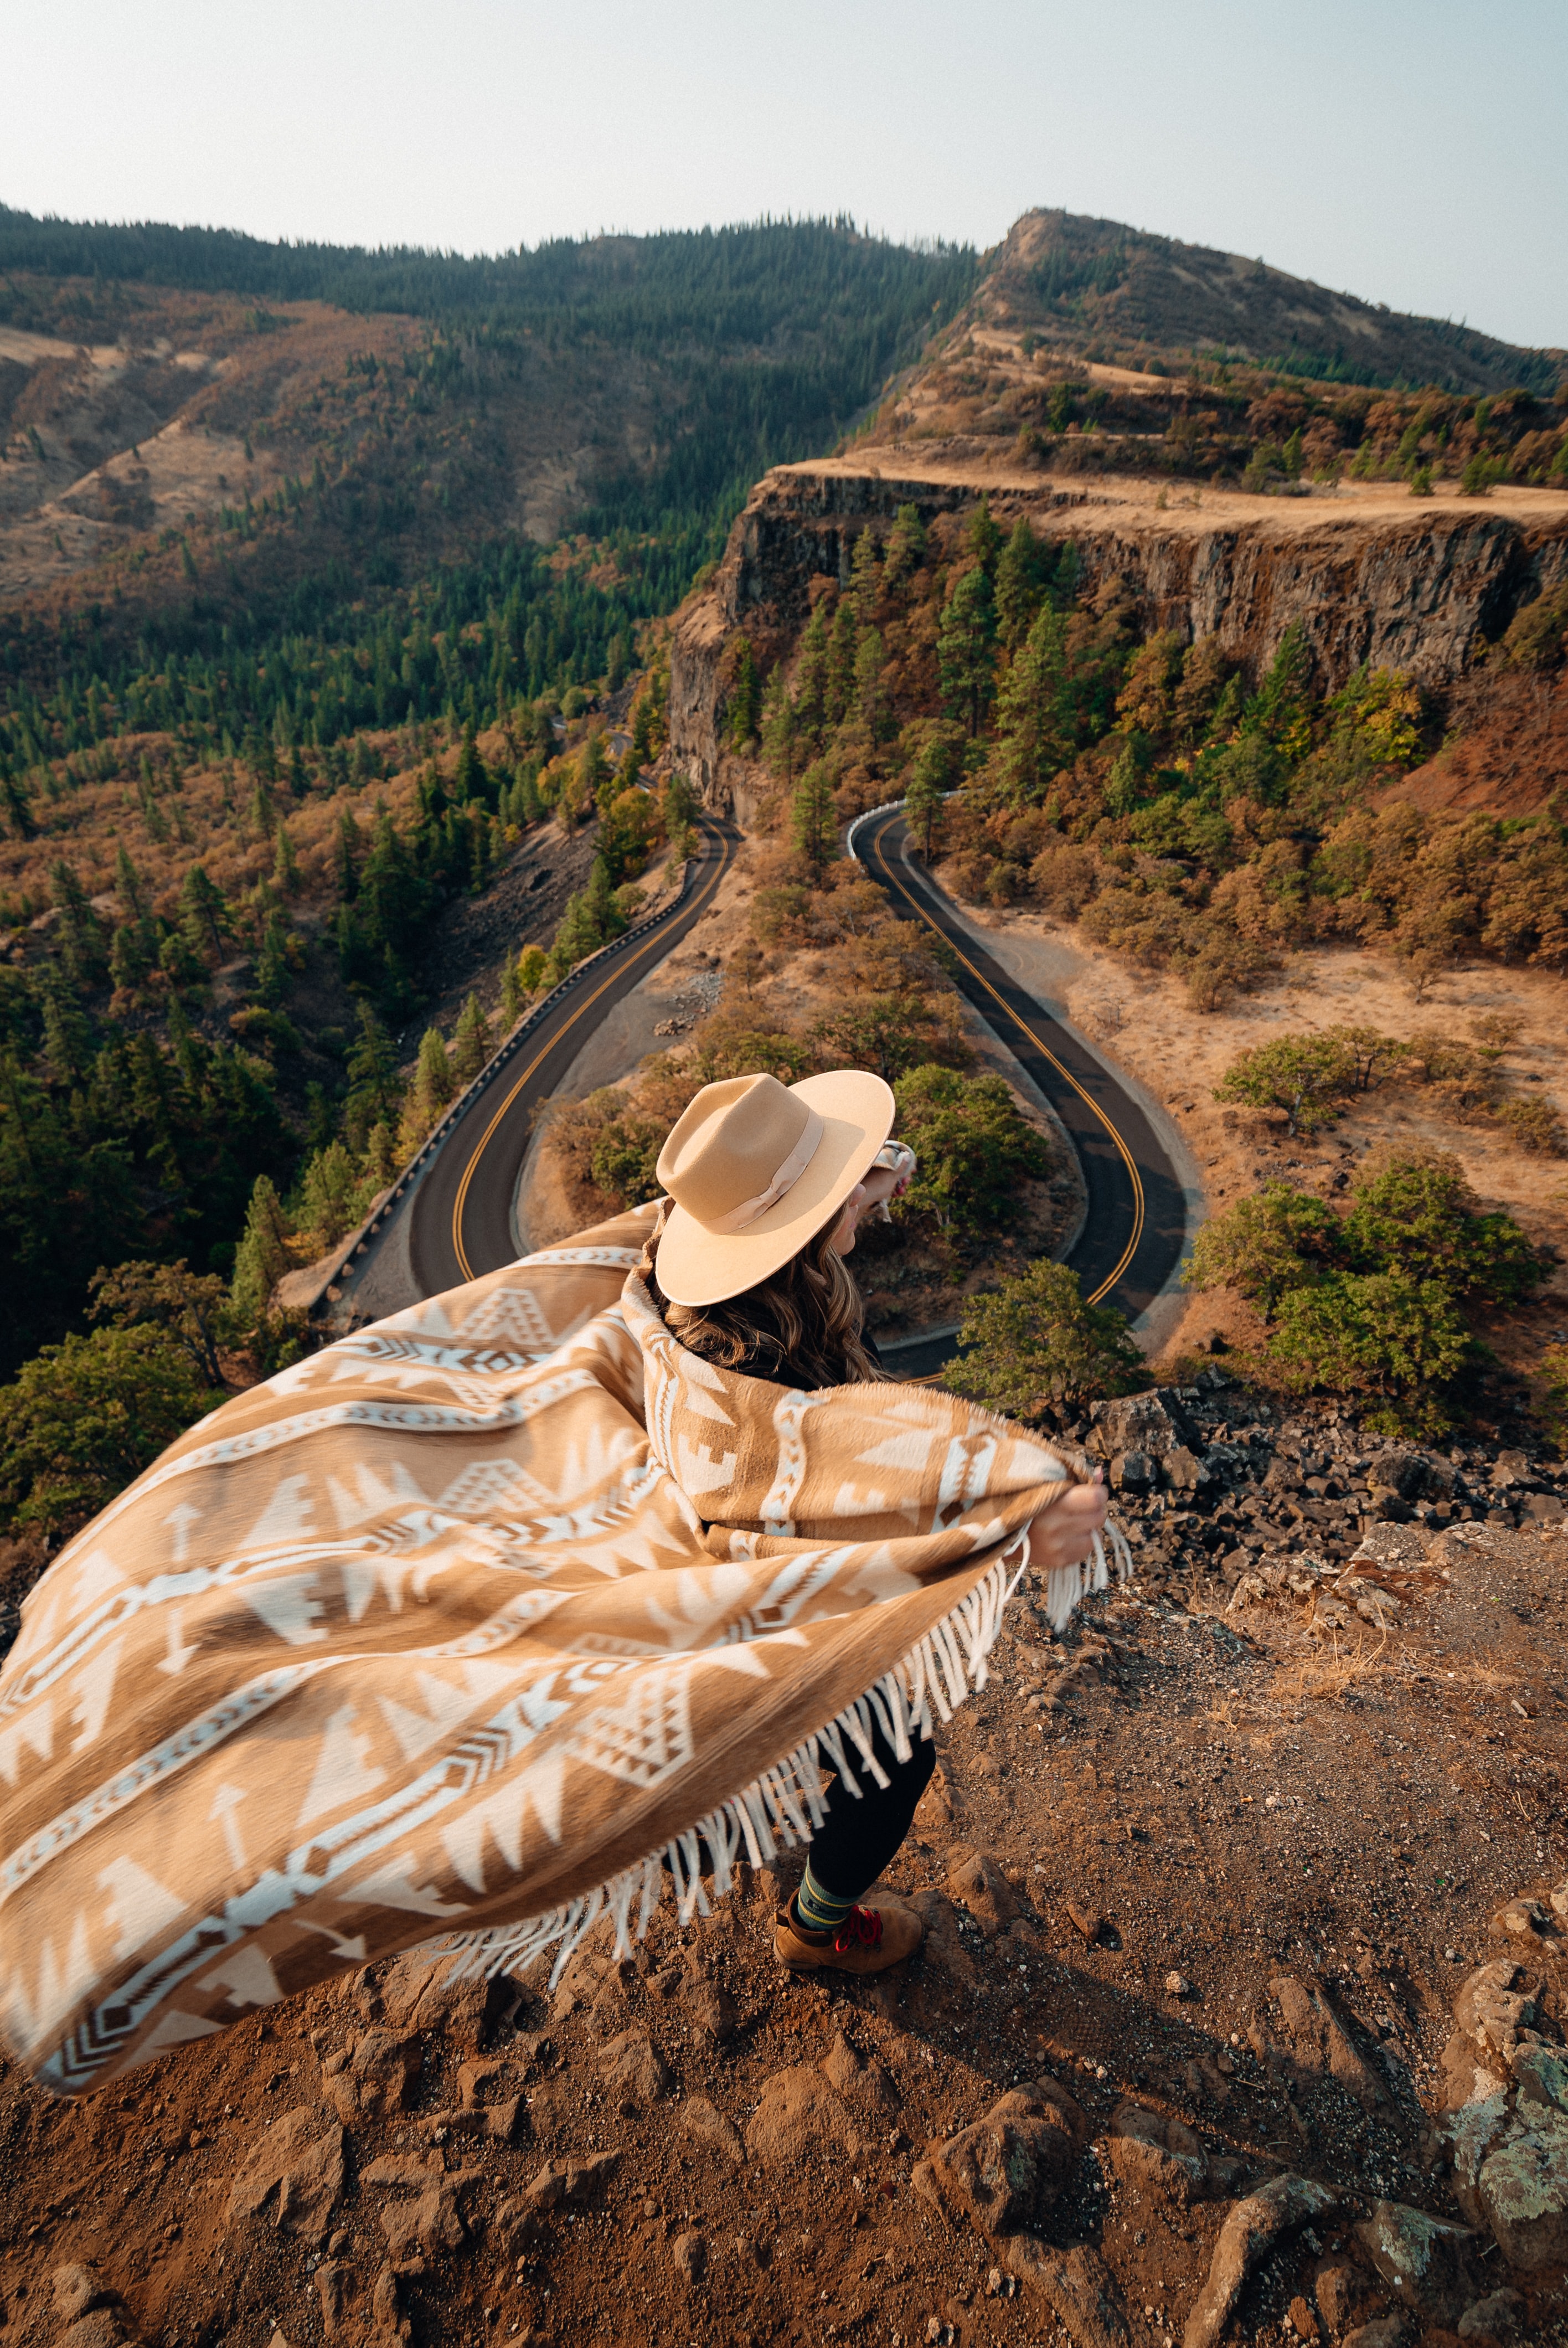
[1158, 2158]
[1153, 1422]
[1008, 2168]
[334, 2288]
[1505, 2092]
[1492, 2317]
[295, 2175]
[1247, 2237]
[1078, 2288]
[1424, 2259]
[1185, 1472]
[424, 2228]
[1134, 1471]
[77, 2289]
[711, 2012]
[1319, 2041]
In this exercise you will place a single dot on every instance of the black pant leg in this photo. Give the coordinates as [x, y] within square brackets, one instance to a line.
[857, 1838]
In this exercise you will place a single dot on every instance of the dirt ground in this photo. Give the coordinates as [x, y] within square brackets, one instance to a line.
[1143, 1021]
[1191, 1809]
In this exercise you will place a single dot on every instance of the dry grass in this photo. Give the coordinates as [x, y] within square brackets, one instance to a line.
[1317, 1679]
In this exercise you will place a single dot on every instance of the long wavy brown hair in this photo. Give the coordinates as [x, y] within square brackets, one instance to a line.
[810, 1310]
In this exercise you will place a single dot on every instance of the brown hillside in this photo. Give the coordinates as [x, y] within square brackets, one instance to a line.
[116, 450]
[1511, 757]
[1089, 282]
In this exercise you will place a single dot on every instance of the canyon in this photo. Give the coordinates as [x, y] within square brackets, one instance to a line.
[1368, 575]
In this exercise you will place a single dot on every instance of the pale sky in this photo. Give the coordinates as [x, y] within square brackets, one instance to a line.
[1413, 154]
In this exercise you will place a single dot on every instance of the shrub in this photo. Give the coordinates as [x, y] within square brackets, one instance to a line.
[1263, 1245]
[890, 1034]
[1535, 1125]
[85, 1417]
[1304, 1075]
[1555, 1381]
[1036, 1346]
[624, 1160]
[1415, 1214]
[973, 1145]
[1378, 1333]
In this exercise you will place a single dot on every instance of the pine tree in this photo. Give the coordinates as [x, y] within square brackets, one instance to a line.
[127, 959]
[813, 819]
[380, 1158]
[473, 780]
[933, 773]
[471, 1044]
[329, 1198]
[778, 726]
[350, 851]
[433, 1087]
[982, 537]
[965, 648]
[596, 776]
[1033, 736]
[81, 931]
[274, 973]
[374, 1087]
[864, 579]
[840, 664]
[262, 1258]
[905, 546]
[285, 863]
[811, 679]
[745, 697]
[204, 914]
[129, 888]
[19, 806]
[869, 707]
[1019, 584]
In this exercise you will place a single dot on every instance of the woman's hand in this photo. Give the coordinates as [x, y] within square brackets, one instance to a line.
[879, 1184]
[1064, 1533]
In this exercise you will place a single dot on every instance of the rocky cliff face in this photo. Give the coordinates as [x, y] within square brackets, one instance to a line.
[1368, 578]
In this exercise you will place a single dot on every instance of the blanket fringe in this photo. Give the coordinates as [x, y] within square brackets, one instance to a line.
[783, 1806]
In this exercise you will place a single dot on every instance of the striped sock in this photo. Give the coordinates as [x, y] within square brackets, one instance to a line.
[816, 1910]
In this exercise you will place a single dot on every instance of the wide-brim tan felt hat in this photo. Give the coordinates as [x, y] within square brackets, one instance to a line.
[755, 1169]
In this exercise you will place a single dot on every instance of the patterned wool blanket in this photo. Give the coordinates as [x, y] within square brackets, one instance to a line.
[497, 1615]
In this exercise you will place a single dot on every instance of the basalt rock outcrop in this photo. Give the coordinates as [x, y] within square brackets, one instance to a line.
[1418, 592]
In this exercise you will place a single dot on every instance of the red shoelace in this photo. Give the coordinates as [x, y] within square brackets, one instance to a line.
[862, 1927]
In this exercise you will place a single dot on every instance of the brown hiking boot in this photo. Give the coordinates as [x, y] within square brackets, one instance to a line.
[868, 1941]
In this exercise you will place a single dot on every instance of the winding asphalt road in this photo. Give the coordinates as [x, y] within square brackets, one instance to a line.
[460, 1221]
[461, 1213]
[1135, 1226]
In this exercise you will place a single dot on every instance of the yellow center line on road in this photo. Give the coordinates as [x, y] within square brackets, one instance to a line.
[1043, 1049]
[617, 969]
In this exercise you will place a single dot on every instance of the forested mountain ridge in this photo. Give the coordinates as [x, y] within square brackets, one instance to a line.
[1102, 291]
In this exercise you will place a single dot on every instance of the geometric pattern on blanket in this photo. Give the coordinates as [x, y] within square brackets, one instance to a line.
[483, 1619]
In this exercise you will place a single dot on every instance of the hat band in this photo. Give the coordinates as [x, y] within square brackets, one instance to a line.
[788, 1175]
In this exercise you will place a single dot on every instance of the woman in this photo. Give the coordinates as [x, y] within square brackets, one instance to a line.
[584, 1580]
[798, 1323]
